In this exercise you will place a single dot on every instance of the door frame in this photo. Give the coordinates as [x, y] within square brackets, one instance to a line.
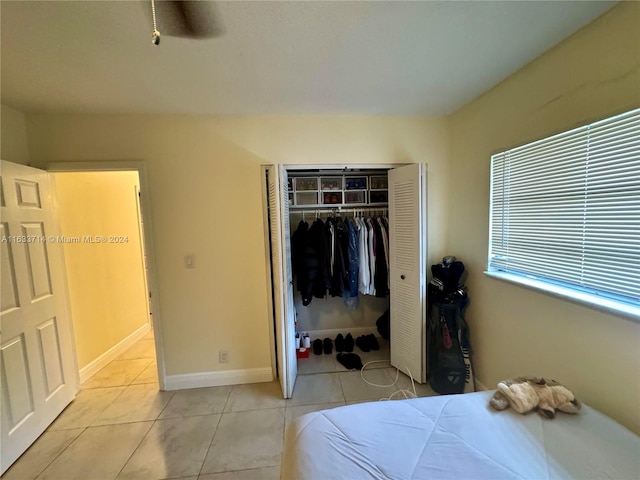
[288, 167]
[139, 166]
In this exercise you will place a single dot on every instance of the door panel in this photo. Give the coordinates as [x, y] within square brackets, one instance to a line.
[50, 355]
[36, 351]
[282, 279]
[290, 308]
[277, 274]
[407, 238]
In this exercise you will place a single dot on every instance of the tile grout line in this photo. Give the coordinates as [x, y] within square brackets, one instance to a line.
[215, 430]
[56, 457]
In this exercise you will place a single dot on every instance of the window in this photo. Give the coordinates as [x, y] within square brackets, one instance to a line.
[565, 214]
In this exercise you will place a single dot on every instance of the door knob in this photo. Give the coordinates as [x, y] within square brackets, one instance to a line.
[402, 277]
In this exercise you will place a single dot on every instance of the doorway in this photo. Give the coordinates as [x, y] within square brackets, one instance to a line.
[406, 194]
[105, 224]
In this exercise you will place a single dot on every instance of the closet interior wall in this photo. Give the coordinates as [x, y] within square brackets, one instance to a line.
[328, 316]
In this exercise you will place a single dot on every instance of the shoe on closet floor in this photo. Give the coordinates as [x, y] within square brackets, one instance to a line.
[348, 343]
[363, 343]
[350, 361]
[327, 346]
[317, 346]
[339, 343]
[373, 342]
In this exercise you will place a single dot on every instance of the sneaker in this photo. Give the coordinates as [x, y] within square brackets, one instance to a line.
[373, 342]
[317, 346]
[348, 343]
[363, 343]
[327, 346]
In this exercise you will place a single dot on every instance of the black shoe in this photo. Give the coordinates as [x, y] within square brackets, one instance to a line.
[328, 346]
[373, 342]
[317, 346]
[363, 343]
[349, 361]
[348, 343]
[339, 343]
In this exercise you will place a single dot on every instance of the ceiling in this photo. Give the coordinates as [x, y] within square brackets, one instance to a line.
[404, 58]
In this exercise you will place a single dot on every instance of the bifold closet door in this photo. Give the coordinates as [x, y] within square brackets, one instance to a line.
[408, 269]
[36, 350]
[282, 278]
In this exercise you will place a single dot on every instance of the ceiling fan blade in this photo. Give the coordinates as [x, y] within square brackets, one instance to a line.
[189, 19]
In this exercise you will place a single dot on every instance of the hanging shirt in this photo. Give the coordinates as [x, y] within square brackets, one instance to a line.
[350, 295]
[372, 256]
[385, 243]
[363, 250]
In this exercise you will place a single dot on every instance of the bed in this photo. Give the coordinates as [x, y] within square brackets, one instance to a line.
[455, 437]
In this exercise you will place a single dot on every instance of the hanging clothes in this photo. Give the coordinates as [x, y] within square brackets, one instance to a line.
[305, 262]
[341, 258]
[363, 254]
[381, 274]
[350, 294]
[318, 241]
[372, 256]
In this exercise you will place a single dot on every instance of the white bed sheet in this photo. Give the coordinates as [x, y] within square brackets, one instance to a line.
[455, 437]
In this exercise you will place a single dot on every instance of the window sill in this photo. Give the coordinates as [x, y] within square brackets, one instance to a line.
[600, 303]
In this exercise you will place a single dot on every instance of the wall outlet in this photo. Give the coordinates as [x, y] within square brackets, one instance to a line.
[223, 356]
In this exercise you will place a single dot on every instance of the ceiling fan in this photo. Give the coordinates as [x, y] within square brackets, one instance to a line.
[187, 19]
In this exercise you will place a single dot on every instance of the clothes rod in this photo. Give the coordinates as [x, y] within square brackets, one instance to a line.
[338, 210]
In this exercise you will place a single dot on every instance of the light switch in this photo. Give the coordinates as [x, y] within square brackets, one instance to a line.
[189, 262]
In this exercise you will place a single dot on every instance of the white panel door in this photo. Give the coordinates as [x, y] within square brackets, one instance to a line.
[36, 351]
[282, 278]
[408, 268]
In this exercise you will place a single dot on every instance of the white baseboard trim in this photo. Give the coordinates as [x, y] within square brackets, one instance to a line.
[332, 334]
[216, 379]
[480, 387]
[114, 352]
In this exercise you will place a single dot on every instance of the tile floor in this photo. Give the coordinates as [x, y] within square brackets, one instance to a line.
[121, 427]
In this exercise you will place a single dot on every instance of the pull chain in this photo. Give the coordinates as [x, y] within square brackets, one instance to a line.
[155, 36]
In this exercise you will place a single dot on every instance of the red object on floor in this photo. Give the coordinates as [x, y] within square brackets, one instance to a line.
[301, 354]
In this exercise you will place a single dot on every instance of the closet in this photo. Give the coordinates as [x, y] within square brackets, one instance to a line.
[303, 192]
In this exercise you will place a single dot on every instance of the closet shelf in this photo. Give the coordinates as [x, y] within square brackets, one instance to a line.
[349, 191]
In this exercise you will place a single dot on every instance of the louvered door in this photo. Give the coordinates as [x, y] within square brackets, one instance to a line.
[408, 268]
[282, 279]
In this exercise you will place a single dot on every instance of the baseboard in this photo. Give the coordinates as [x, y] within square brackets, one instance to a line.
[114, 352]
[332, 334]
[216, 379]
[480, 387]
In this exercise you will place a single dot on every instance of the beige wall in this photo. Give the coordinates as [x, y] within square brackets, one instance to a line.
[13, 136]
[516, 331]
[206, 200]
[106, 284]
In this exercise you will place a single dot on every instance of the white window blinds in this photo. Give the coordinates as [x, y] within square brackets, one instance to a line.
[566, 209]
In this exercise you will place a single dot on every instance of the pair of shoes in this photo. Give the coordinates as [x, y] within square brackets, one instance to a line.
[322, 345]
[367, 343]
[327, 346]
[349, 361]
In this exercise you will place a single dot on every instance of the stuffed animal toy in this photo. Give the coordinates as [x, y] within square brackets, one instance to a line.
[525, 394]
